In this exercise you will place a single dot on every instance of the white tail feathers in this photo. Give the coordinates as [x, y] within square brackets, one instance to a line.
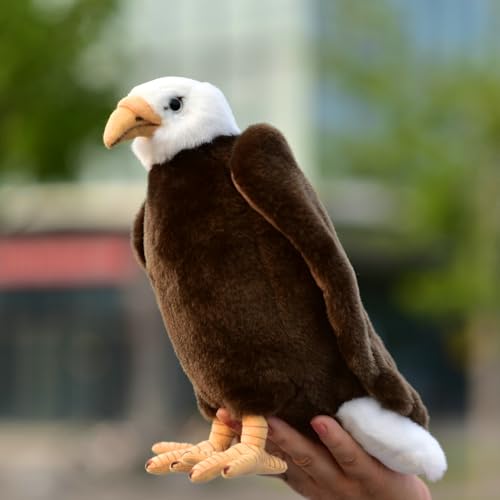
[396, 441]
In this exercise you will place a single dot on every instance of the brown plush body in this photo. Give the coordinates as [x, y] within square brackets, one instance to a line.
[258, 297]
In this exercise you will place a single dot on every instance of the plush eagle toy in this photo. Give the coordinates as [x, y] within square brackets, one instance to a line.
[257, 294]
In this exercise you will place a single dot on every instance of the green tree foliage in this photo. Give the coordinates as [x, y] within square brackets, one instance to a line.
[46, 109]
[429, 126]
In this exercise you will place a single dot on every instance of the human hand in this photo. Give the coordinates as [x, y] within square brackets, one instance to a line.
[338, 469]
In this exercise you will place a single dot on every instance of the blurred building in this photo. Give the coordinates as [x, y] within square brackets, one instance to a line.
[261, 56]
[82, 337]
[81, 340]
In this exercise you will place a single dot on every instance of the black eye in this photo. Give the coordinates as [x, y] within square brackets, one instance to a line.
[175, 104]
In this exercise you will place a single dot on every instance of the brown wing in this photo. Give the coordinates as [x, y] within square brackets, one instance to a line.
[138, 237]
[266, 175]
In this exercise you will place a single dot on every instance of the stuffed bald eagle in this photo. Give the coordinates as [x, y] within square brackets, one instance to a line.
[257, 294]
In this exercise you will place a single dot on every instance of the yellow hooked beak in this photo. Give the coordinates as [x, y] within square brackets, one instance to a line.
[133, 117]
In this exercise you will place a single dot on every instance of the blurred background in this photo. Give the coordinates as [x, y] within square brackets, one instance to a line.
[393, 111]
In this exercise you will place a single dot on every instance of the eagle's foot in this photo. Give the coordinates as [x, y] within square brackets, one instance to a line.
[239, 460]
[180, 457]
[247, 457]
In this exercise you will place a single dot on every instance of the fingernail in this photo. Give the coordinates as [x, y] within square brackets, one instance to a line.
[319, 428]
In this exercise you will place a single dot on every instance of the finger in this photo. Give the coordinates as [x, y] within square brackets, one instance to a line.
[295, 476]
[225, 417]
[310, 457]
[350, 457]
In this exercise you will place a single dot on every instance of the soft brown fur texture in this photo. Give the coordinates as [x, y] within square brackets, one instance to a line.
[257, 294]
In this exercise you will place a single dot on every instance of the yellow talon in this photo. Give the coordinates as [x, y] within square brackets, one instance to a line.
[216, 456]
[247, 457]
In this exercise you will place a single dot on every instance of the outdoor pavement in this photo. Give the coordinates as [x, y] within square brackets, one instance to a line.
[103, 462]
[41, 486]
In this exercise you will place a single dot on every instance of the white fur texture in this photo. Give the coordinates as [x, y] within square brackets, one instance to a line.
[205, 114]
[396, 441]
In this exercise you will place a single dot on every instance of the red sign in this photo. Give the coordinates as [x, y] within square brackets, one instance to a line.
[62, 260]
